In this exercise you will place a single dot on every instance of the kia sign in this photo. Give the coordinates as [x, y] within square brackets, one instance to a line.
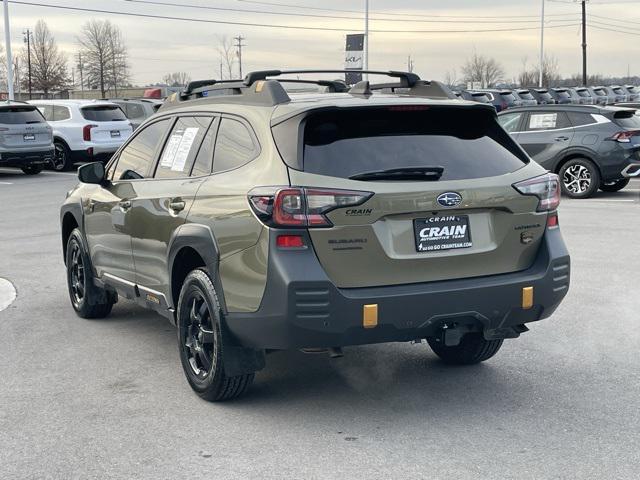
[354, 58]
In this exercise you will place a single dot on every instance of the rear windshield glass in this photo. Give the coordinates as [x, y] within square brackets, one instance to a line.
[508, 97]
[545, 96]
[627, 120]
[619, 91]
[583, 92]
[563, 94]
[103, 113]
[20, 115]
[526, 95]
[481, 97]
[600, 92]
[466, 143]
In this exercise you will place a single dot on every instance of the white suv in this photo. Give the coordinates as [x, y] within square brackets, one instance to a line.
[84, 130]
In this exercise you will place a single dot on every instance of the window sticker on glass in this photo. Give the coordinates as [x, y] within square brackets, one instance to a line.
[543, 121]
[170, 152]
[185, 147]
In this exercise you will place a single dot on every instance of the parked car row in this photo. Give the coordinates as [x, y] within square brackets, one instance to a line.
[503, 99]
[61, 133]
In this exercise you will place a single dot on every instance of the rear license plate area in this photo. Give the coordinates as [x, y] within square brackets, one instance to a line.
[442, 232]
[29, 137]
[115, 133]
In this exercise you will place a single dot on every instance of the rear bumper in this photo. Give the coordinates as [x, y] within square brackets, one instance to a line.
[632, 171]
[23, 158]
[302, 308]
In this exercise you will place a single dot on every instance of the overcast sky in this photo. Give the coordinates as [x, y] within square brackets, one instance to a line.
[158, 46]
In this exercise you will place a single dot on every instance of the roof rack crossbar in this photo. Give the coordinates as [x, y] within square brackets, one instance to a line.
[407, 79]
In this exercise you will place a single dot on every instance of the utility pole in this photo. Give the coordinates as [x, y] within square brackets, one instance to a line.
[7, 40]
[239, 46]
[540, 80]
[584, 43]
[27, 40]
[80, 67]
[220, 70]
[409, 64]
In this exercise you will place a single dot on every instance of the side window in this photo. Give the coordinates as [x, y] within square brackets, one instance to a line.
[134, 110]
[136, 159]
[204, 160]
[510, 121]
[547, 121]
[61, 113]
[47, 112]
[181, 148]
[580, 119]
[234, 146]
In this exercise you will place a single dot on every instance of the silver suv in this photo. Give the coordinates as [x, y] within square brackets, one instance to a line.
[26, 140]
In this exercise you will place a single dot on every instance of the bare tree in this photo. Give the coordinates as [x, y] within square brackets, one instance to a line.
[176, 79]
[451, 78]
[227, 56]
[18, 71]
[550, 73]
[48, 63]
[481, 69]
[104, 55]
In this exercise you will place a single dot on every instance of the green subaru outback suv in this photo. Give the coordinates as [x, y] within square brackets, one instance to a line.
[256, 219]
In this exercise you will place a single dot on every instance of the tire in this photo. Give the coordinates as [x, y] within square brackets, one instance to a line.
[579, 178]
[615, 186]
[32, 169]
[88, 300]
[473, 349]
[200, 341]
[62, 157]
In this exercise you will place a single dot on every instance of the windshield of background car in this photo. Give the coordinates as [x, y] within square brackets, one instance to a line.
[563, 94]
[103, 113]
[508, 97]
[466, 143]
[20, 115]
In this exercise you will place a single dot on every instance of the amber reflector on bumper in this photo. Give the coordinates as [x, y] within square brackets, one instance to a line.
[527, 298]
[370, 316]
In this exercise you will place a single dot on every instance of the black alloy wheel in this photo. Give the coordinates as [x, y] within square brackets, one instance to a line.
[198, 336]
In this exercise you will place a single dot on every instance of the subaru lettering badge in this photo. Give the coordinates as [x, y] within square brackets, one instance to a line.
[449, 199]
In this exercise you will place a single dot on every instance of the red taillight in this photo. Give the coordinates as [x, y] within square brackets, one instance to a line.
[290, 241]
[546, 187]
[552, 220]
[625, 136]
[301, 207]
[86, 132]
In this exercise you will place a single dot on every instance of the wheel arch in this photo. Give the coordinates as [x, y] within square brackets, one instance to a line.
[70, 219]
[192, 246]
[571, 155]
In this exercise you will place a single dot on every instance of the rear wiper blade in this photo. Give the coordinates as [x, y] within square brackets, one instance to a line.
[423, 174]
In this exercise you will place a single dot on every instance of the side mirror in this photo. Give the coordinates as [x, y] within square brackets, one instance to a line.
[91, 173]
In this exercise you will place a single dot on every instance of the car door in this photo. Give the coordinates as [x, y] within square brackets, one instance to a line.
[108, 220]
[161, 205]
[546, 134]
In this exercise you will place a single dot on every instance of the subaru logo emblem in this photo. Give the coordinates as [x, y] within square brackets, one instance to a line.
[449, 199]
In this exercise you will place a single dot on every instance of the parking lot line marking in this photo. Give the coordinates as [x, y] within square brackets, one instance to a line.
[7, 293]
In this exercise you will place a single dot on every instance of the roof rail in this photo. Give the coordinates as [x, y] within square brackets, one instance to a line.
[407, 79]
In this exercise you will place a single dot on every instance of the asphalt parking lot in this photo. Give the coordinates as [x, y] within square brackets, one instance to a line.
[108, 399]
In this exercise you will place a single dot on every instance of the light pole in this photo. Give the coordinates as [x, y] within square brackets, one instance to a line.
[27, 40]
[541, 46]
[7, 40]
[584, 43]
[366, 37]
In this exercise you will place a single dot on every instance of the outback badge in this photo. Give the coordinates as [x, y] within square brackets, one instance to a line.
[449, 199]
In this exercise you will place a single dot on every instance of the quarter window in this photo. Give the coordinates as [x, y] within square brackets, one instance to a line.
[581, 119]
[136, 159]
[234, 146]
[47, 112]
[182, 146]
[60, 113]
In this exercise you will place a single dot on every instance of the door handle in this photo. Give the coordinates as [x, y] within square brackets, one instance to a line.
[125, 205]
[561, 139]
[176, 204]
